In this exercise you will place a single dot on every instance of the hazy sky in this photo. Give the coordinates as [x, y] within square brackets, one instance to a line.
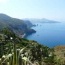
[51, 9]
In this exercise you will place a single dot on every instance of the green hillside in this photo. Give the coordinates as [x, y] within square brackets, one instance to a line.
[19, 51]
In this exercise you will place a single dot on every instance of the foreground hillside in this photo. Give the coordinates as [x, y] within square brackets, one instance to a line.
[17, 51]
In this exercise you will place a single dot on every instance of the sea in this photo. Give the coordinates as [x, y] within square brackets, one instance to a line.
[49, 34]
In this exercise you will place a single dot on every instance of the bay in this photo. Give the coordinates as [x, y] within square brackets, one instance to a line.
[49, 34]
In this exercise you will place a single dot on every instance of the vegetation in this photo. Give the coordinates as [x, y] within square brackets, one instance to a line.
[19, 51]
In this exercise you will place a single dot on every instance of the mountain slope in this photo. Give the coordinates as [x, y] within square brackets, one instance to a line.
[17, 25]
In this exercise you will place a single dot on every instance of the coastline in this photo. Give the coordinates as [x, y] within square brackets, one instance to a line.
[28, 33]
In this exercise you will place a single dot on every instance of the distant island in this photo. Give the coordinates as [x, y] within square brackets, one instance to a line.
[43, 20]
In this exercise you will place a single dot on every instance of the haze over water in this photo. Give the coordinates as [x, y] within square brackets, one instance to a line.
[49, 34]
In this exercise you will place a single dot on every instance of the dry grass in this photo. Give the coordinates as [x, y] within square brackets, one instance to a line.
[60, 53]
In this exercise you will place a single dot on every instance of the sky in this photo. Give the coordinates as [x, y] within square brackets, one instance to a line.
[50, 9]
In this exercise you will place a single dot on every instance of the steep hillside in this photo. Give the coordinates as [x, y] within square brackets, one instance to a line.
[17, 25]
[28, 23]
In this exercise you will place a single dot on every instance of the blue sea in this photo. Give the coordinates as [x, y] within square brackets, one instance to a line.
[49, 34]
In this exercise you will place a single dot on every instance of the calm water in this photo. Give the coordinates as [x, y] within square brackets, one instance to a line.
[49, 34]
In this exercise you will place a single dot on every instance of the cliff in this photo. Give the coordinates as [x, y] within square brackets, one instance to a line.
[17, 25]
